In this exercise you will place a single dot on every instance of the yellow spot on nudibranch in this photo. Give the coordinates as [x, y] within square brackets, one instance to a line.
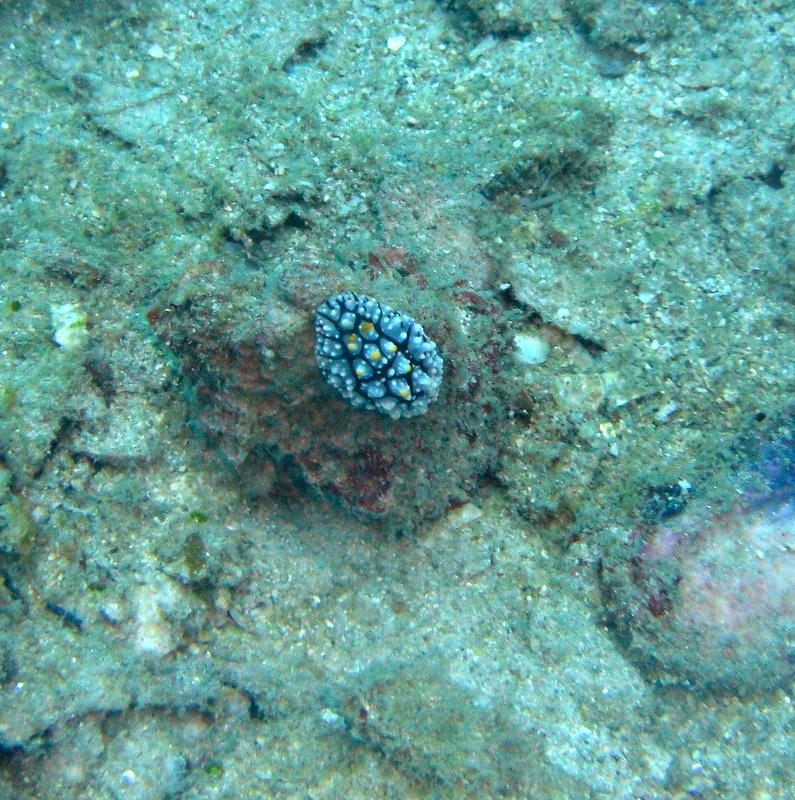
[360, 371]
[405, 394]
[390, 347]
[375, 355]
[353, 341]
[367, 327]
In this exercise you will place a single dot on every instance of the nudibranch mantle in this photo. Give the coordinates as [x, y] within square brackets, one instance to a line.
[377, 358]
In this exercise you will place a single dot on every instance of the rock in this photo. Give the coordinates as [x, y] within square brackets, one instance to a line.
[707, 598]
[247, 348]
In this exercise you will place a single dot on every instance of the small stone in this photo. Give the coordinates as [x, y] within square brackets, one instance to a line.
[530, 349]
[113, 611]
[464, 515]
[69, 326]
[153, 632]
[394, 43]
[156, 51]
[332, 719]
[667, 411]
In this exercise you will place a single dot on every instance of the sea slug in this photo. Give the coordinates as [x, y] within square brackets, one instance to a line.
[376, 358]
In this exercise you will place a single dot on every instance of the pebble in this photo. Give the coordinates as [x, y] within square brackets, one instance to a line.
[394, 43]
[530, 349]
[69, 326]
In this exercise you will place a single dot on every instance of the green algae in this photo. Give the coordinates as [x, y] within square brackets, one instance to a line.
[194, 554]
[17, 529]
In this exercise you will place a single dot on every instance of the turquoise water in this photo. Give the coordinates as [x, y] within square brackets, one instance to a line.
[572, 576]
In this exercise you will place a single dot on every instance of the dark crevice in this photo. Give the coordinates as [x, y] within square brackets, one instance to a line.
[534, 319]
[69, 618]
[101, 373]
[306, 50]
[106, 133]
[66, 426]
[294, 220]
[773, 176]
[11, 587]
[591, 346]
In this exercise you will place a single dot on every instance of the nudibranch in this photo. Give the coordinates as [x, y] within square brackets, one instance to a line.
[375, 357]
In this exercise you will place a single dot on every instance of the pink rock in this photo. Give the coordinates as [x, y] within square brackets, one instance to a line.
[709, 598]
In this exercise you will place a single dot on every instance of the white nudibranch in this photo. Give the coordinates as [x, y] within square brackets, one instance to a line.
[363, 345]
